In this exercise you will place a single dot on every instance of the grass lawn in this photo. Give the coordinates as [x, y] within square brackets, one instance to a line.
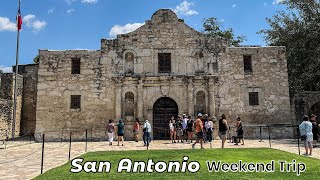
[259, 155]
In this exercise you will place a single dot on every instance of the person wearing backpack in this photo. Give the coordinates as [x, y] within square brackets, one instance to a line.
[110, 130]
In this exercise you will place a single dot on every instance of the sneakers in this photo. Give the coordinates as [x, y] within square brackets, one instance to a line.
[305, 154]
[193, 146]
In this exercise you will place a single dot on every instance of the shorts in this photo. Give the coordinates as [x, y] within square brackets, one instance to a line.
[179, 132]
[199, 135]
[222, 134]
[307, 143]
[120, 134]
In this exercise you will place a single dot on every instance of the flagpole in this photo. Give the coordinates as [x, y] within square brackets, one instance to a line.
[16, 82]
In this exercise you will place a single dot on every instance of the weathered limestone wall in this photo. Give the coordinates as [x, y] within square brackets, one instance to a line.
[5, 117]
[6, 104]
[269, 78]
[193, 56]
[29, 98]
[56, 84]
[191, 51]
[198, 63]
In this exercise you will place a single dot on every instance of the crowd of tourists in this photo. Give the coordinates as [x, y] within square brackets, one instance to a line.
[310, 132]
[182, 130]
[120, 127]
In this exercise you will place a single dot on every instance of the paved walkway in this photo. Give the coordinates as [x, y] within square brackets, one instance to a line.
[24, 162]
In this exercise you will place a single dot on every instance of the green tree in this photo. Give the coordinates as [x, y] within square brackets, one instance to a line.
[298, 28]
[36, 59]
[212, 27]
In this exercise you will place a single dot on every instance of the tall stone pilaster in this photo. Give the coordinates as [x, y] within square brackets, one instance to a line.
[140, 100]
[212, 103]
[118, 100]
[190, 98]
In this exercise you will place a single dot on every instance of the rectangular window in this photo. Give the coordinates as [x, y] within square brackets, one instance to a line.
[75, 102]
[164, 62]
[253, 98]
[75, 66]
[247, 62]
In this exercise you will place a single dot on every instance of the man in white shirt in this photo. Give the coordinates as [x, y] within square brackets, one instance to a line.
[146, 133]
[209, 129]
[184, 126]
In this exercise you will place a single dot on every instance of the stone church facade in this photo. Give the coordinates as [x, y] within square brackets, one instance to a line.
[162, 69]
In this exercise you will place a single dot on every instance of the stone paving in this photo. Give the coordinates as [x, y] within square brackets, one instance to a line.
[24, 162]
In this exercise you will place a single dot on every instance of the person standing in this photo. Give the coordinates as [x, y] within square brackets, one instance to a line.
[223, 127]
[120, 126]
[110, 130]
[209, 129]
[179, 129]
[306, 135]
[146, 133]
[239, 132]
[204, 120]
[184, 126]
[136, 129]
[199, 131]
[171, 129]
[315, 129]
[190, 128]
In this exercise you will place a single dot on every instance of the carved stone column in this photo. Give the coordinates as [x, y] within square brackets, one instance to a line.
[140, 100]
[212, 103]
[118, 102]
[190, 97]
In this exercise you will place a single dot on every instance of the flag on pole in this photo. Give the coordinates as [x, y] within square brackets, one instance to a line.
[19, 18]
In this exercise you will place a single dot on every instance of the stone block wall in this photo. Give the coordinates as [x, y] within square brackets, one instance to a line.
[5, 118]
[198, 63]
[6, 104]
[56, 84]
[29, 98]
[269, 78]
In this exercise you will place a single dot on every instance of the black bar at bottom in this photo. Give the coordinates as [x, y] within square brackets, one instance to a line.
[70, 146]
[269, 136]
[42, 157]
[298, 138]
[86, 140]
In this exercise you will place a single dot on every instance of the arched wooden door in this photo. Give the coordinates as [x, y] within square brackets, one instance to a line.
[163, 109]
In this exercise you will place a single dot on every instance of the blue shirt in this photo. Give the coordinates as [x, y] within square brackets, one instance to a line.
[306, 129]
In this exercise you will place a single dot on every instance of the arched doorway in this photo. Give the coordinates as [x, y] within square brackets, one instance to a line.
[163, 109]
